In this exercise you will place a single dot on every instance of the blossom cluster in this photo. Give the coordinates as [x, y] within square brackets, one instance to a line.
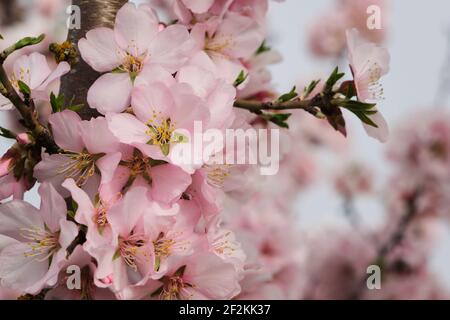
[114, 201]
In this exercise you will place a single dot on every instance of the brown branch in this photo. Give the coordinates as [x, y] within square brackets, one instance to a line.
[75, 85]
[311, 106]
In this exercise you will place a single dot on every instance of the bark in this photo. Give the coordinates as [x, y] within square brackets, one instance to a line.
[75, 85]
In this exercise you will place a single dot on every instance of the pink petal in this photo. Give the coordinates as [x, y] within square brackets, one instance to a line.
[108, 165]
[152, 73]
[128, 129]
[53, 207]
[97, 137]
[124, 216]
[198, 6]
[32, 69]
[146, 100]
[68, 233]
[382, 132]
[100, 50]
[21, 272]
[168, 183]
[66, 131]
[110, 93]
[171, 48]
[85, 209]
[17, 215]
[62, 69]
[135, 28]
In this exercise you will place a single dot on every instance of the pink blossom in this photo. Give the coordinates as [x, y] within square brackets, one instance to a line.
[202, 276]
[126, 260]
[83, 144]
[34, 242]
[87, 290]
[160, 122]
[223, 44]
[34, 71]
[125, 52]
[369, 63]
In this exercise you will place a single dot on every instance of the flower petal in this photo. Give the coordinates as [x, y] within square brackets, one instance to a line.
[110, 93]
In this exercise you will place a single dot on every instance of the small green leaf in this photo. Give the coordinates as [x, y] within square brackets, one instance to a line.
[354, 105]
[278, 118]
[57, 102]
[76, 107]
[165, 149]
[307, 91]
[116, 255]
[334, 78]
[288, 96]
[28, 41]
[263, 48]
[240, 79]
[24, 88]
[7, 133]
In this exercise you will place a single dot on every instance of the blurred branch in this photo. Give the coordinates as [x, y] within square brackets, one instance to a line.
[397, 236]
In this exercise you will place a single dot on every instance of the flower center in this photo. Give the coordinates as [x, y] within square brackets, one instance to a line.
[42, 243]
[160, 129]
[375, 88]
[163, 246]
[80, 167]
[172, 288]
[223, 246]
[217, 46]
[217, 174]
[132, 64]
[132, 249]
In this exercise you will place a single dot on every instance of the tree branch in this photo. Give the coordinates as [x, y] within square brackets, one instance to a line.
[311, 106]
[75, 85]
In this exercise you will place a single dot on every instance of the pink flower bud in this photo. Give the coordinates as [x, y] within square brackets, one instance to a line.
[23, 138]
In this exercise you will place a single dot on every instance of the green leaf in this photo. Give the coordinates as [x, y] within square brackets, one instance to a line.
[263, 48]
[116, 255]
[57, 102]
[288, 96]
[7, 133]
[165, 149]
[354, 105]
[24, 89]
[334, 78]
[240, 79]
[278, 118]
[76, 107]
[365, 119]
[28, 41]
[307, 91]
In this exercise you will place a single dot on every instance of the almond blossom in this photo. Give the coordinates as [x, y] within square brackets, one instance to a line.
[124, 53]
[34, 241]
[369, 63]
[34, 71]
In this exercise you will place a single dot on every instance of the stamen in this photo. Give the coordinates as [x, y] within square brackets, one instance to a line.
[80, 167]
[160, 129]
[132, 249]
[42, 243]
[217, 174]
